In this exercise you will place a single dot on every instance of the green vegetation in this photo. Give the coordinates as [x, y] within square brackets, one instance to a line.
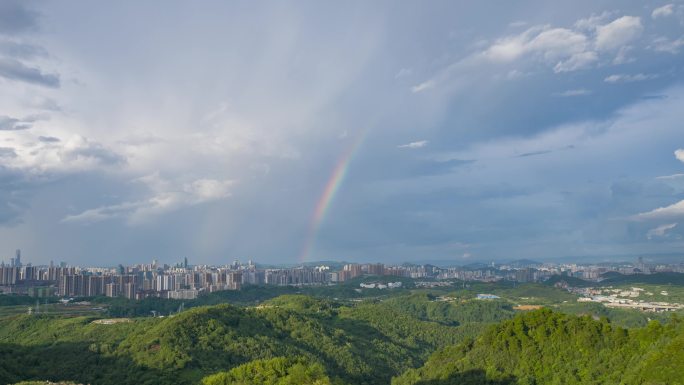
[14, 300]
[656, 279]
[621, 317]
[276, 371]
[340, 335]
[360, 345]
[450, 310]
[543, 347]
[251, 295]
[533, 294]
[570, 281]
[44, 383]
[52, 308]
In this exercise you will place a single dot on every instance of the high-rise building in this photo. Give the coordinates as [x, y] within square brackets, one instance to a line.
[17, 258]
[9, 275]
[111, 290]
[234, 280]
[353, 269]
[523, 275]
[376, 269]
[67, 285]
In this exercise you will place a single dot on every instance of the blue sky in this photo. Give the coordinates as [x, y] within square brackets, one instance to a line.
[491, 130]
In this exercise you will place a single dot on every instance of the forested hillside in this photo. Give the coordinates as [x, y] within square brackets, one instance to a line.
[365, 344]
[296, 339]
[543, 347]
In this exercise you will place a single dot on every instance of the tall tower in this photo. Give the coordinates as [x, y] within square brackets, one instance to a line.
[17, 258]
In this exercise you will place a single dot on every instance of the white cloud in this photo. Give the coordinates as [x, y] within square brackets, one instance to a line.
[618, 32]
[423, 86]
[558, 43]
[590, 23]
[663, 44]
[672, 211]
[679, 154]
[670, 177]
[626, 78]
[576, 62]
[551, 43]
[511, 47]
[622, 57]
[418, 144]
[585, 45]
[75, 153]
[137, 212]
[575, 92]
[104, 213]
[664, 11]
[565, 49]
[204, 190]
[660, 231]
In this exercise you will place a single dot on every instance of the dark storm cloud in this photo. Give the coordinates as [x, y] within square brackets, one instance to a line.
[15, 18]
[534, 153]
[14, 70]
[48, 139]
[544, 152]
[13, 199]
[96, 152]
[12, 124]
[7, 152]
[21, 50]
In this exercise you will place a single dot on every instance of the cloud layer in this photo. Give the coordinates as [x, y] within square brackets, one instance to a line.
[533, 132]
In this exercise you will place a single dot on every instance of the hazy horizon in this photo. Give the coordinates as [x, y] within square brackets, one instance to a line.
[373, 131]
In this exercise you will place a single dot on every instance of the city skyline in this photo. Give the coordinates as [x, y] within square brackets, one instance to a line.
[185, 281]
[304, 131]
[185, 262]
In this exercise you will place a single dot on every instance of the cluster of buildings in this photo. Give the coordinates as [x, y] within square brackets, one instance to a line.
[530, 271]
[625, 298]
[493, 274]
[381, 286]
[133, 282]
[183, 281]
[180, 281]
[594, 272]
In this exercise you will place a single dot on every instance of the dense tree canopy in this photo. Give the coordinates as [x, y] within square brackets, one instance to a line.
[364, 344]
[543, 347]
[276, 371]
[418, 338]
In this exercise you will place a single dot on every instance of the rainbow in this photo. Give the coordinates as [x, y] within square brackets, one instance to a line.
[326, 198]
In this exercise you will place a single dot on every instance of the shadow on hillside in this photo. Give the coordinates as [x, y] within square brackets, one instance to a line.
[65, 361]
[364, 338]
[470, 377]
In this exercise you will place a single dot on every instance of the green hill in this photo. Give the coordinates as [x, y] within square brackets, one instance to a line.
[364, 344]
[276, 371]
[296, 339]
[543, 347]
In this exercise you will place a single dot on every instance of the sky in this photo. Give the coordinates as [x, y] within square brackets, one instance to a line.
[299, 131]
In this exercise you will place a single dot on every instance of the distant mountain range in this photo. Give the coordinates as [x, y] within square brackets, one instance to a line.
[476, 263]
